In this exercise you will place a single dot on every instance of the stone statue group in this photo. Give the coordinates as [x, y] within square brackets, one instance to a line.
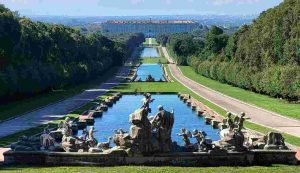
[147, 135]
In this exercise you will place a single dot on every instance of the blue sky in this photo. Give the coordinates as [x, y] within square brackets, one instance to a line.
[138, 7]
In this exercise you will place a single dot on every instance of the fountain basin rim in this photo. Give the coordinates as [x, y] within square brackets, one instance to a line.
[247, 158]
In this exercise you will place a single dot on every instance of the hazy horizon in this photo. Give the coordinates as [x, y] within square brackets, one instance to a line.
[94, 8]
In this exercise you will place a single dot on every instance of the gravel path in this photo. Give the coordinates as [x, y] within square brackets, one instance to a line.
[57, 110]
[257, 115]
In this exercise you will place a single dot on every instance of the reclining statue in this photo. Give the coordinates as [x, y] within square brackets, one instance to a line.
[274, 141]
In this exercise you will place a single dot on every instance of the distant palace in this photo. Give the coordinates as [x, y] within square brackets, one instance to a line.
[149, 28]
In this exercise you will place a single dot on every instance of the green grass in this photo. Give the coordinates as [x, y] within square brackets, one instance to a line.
[20, 107]
[147, 169]
[154, 60]
[282, 107]
[161, 53]
[153, 42]
[5, 141]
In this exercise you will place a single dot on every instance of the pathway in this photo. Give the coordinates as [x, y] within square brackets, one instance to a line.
[257, 115]
[57, 110]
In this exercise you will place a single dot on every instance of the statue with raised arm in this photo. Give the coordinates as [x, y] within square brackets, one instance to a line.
[240, 123]
[146, 102]
[91, 139]
[186, 135]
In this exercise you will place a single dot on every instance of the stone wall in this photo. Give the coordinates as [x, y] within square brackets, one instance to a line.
[256, 157]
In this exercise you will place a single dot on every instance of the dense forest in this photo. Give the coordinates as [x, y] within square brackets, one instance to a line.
[37, 57]
[263, 57]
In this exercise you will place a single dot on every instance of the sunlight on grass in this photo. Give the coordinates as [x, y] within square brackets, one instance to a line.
[279, 106]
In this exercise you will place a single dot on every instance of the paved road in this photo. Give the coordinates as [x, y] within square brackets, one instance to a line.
[256, 115]
[60, 109]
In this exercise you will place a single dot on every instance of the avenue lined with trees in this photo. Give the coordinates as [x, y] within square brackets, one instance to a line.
[263, 57]
[37, 57]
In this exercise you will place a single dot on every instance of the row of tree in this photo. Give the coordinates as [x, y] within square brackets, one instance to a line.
[36, 57]
[263, 57]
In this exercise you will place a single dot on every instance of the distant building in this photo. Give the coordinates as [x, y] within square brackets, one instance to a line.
[149, 28]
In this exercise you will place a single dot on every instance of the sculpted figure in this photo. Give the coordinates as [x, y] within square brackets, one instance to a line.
[240, 123]
[203, 143]
[26, 144]
[150, 79]
[91, 139]
[185, 136]
[146, 102]
[104, 145]
[69, 142]
[232, 138]
[140, 133]
[84, 134]
[60, 126]
[163, 123]
[230, 122]
[274, 141]
[46, 139]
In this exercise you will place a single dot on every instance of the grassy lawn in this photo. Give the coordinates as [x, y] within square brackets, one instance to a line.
[151, 41]
[154, 60]
[20, 107]
[144, 169]
[282, 107]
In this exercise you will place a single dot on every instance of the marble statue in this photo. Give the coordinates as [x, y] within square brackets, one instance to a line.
[185, 134]
[232, 138]
[91, 139]
[46, 139]
[203, 144]
[140, 132]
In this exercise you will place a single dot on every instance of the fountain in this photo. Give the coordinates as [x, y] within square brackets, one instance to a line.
[148, 141]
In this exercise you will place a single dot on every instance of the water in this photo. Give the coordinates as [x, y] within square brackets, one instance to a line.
[155, 70]
[150, 52]
[118, 117]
